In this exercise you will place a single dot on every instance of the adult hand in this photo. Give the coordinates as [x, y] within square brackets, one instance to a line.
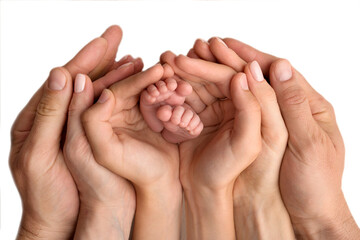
[48, 192]
[122, 142]
[258, 208]
[229, 143]
[311, 172]
[107, 201]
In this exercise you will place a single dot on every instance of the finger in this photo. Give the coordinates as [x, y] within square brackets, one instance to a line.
[272, 123]
[192, 54]
[24, 121]
[129, 89]
[122, 61]
[293, 103]
[168, 71]
[169, 58]
[113, 36]
[209, 72]
[51, 112]
[247, 121]
[226, 55]
[99, 132]
[113, 76]
[302, 117]
[82, 99]
[88, 57]
[202, 49]
[249, 54]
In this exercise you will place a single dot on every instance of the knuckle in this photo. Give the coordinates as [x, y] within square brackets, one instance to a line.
[45, 109]
[323, 110]
[293, 96]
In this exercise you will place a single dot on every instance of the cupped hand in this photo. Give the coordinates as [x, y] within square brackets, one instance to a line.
[256, 191]
[107, 201]
[311, 172]
[122, 142]
[229, 143]
[48, 192]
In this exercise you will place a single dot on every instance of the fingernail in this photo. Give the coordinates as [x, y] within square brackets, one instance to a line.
[104, 96]
[79, 83]
[243, 82]
[221, 41]
[125, 65]
[283, 71]
[57, 80]
[256, 71]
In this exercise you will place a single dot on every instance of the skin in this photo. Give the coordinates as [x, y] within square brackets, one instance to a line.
[107, 201]
[259, 210]
[112, 126]
[48, 192]
[304, 111]
[230, 142]
[313, 163]
[163, 109]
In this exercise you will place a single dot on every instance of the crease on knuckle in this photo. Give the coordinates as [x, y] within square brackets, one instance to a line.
[47, 110]
[293, 96]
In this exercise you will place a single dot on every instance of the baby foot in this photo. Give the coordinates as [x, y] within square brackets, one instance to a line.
[169, 93]
[181, 123]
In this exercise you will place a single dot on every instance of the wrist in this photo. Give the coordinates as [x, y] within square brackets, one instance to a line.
[262, 217]
[32, 229]
[156, 207]
[209, 214]
[104, 222]
[337, 223]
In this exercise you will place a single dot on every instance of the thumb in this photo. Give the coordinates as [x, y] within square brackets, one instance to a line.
[51, 111]
[293, 102]
[99, 131]
[246, 135]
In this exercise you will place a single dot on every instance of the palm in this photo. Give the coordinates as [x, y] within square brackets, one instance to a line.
[210, 158]
[95, 183]
[311, 175]
[151, 155]
[57, 191]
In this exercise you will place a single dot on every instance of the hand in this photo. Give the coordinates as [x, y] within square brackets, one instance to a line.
[48, 192]
[228, 144]
[310, 176]
[259, 210]
[107, 201]
[122, 142]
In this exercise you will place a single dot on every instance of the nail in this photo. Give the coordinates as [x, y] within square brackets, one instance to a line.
[125, 65]
[243, 82]
[256, 71]
[104, 96]
[283, 71]
[57, 80]
[221, 41]
[79, 83]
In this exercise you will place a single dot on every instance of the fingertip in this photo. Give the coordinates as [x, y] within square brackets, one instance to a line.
[138, 65]
[58, 78]
[113, 31]
[281, 71]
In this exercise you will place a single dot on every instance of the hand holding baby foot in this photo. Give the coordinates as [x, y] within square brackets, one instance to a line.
[122, 142]
[162, 106]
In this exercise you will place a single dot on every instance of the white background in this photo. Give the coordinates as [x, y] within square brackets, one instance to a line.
[321, 39]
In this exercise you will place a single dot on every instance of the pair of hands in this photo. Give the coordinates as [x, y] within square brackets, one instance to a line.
[116, 132]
